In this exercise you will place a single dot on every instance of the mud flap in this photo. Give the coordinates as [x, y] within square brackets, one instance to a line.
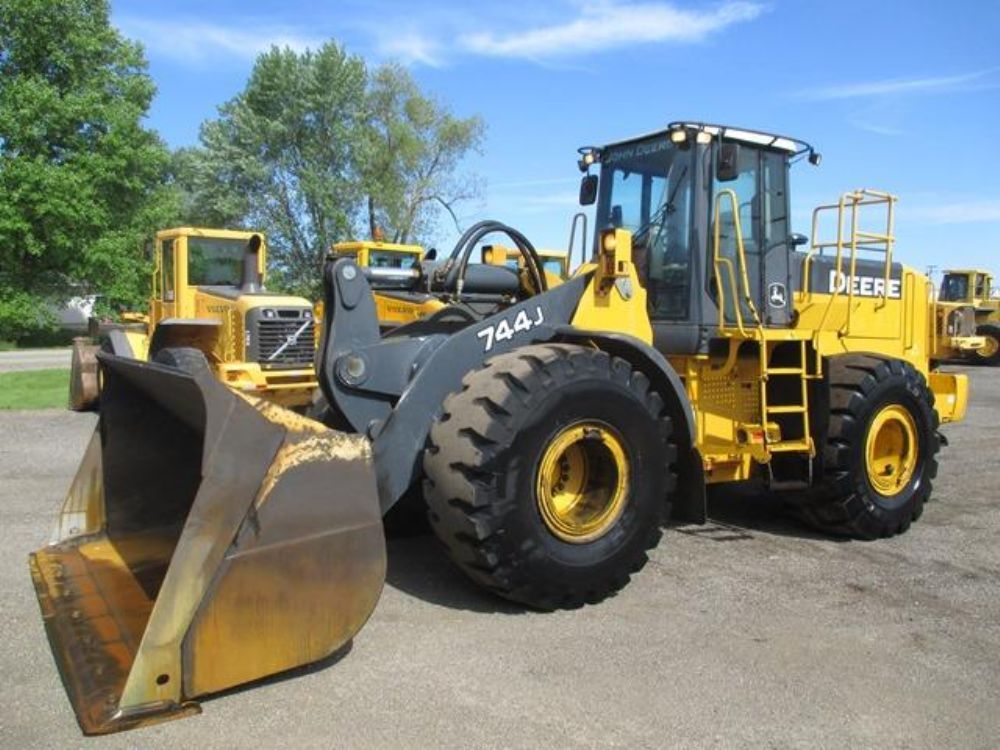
[208, 540]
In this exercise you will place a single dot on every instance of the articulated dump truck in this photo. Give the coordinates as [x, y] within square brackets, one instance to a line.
[211, 538]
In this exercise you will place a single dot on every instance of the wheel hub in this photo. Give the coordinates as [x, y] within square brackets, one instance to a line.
[891, 450]
[990, 348]
[582, 483]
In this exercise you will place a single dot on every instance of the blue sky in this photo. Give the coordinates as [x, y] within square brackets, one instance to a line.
[898, 95]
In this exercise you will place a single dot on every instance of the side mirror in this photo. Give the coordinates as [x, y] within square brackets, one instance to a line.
[797, 240]
[147, 250]
[588, 190]
[616, 216]
[727, 166]
[431, 254]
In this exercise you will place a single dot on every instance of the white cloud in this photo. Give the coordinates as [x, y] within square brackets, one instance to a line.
[608, 24]
[974, 81]
[874, 127]
[410, 47]
[959, 212]
[197, 41]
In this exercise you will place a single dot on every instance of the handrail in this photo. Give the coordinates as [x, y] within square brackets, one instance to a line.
[728, 265]
[858, 240]
[741, 256]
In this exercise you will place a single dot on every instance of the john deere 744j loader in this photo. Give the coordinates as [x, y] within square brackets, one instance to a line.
[210, 539]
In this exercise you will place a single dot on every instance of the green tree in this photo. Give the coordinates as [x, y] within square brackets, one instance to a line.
[410, 154]
[314, 151]
[81, 180]
[280, 158]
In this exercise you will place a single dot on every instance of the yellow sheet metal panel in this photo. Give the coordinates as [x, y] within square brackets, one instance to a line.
[951, 395]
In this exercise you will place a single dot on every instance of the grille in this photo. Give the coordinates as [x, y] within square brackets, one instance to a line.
[271, 334]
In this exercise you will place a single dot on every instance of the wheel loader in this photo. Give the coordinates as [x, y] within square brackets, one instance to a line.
[971, 290]
[211, 538]
[208, 308]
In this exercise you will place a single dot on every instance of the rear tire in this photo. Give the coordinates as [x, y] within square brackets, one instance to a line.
[549, 475]
[990, 355]
[879, 457]
[184, 358]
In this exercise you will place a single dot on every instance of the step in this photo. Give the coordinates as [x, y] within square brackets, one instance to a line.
[791, 446]
[786, 371]
[786, 409]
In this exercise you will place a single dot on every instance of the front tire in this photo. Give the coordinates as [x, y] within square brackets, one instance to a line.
[184, 358]
[879, 457]
[989, 354]
[549, 475]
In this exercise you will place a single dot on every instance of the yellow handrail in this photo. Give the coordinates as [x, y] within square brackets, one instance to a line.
[717, 259]
[853, 200]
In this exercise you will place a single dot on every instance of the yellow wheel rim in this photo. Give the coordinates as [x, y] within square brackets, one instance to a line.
[989, 348]
[891, 450]
[582, 483]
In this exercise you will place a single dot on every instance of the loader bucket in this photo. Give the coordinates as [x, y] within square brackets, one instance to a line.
[207, 540]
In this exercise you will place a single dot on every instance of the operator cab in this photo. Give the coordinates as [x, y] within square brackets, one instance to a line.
[672, 190]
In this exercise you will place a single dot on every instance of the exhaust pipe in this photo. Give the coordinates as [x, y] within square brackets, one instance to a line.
[208, 539]
[252, 282]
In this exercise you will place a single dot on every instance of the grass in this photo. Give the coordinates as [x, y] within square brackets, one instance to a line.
[34, 389]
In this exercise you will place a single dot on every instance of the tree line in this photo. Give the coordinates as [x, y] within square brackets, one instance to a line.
[318, 147]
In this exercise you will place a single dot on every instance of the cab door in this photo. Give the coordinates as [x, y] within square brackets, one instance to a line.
[749, 202]
[168, 279]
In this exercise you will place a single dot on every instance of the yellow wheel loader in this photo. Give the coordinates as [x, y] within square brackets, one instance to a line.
[208, 308]
[972, 290]
[210, 538]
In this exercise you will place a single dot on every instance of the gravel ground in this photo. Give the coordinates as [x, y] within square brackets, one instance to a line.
[748, 631]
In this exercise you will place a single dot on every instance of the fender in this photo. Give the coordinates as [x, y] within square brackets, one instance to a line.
[691, 502]
[199, 333]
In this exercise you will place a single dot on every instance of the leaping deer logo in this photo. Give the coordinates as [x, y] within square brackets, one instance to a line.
[776, 295]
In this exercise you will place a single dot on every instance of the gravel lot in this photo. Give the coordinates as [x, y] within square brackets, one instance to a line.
[749, 631]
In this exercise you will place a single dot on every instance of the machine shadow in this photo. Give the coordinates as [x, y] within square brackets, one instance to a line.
[419, 566]
[739, 511]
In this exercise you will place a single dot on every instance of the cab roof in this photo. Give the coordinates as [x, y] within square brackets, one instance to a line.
[730, 132]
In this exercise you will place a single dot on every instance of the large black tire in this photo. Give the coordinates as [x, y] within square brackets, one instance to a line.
[486, 448]
[185, 358]
[845, 500]
[991, 354]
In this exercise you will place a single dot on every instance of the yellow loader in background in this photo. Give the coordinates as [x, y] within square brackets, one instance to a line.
[211, 539]
[208, 308]
[393, 271]
[973, 288]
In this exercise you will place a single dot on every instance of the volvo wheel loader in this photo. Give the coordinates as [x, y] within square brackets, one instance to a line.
[208, 308]
[211, 538]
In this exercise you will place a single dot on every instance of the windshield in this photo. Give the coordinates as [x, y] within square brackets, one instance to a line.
[646, 188]
[553, 266]
[392, 259]
[954, 287]
[213, 261]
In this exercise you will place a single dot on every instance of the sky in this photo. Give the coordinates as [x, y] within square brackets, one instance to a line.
[898, 95]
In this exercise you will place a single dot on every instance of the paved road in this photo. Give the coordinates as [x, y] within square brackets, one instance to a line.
[747, 632]
[34, 359]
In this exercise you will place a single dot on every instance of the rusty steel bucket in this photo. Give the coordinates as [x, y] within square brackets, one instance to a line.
[208, 540]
